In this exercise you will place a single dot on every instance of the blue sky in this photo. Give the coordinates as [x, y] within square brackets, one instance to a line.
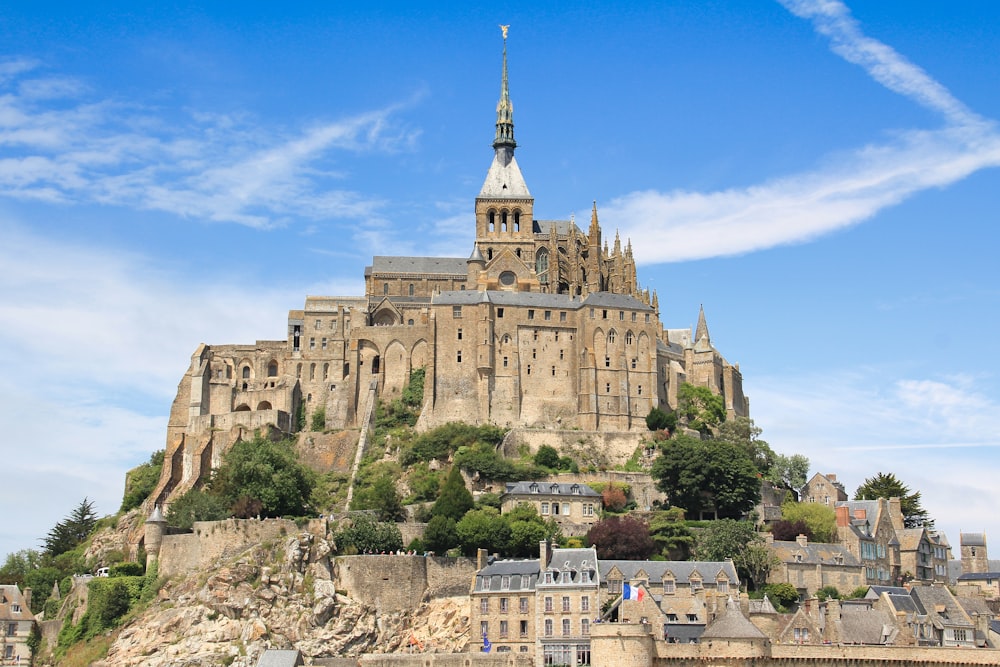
[821, 177]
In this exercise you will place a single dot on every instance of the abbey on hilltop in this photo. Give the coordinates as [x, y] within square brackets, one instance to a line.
[542, 326]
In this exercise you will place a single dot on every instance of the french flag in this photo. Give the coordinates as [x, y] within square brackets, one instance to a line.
[633, 593]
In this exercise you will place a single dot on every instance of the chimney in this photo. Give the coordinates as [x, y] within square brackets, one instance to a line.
[896, 513]
[481, 559]
[860, 514]
[843, 516]
[802, 539]
[831, 476]
[27, 599]
[543, 554]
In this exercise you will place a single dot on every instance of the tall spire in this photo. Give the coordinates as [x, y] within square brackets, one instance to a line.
[701, 331]
[505, 110]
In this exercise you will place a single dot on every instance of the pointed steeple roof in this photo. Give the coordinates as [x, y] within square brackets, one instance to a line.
[505, 110]
[701, 331]
[504, 179]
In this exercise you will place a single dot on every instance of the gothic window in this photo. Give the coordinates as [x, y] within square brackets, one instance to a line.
[518, 253]
[385, 288]
[246, 376]
[489, 253]
[326, 371]
[411, 289]
[611, 337]
[517, 221]
[503, 221]
[628, 338]
[542, 264]
[491, 216]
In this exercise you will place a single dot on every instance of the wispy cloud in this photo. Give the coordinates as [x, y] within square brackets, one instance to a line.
[60, 144]
[843, 192]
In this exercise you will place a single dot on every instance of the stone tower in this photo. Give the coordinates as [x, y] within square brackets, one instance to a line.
[155, 526]
[973, 546]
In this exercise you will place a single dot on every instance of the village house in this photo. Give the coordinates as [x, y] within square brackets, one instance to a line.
[16, 623]
[574, 507]
[812, 566]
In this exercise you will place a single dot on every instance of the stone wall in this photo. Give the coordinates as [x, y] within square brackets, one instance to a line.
[400, 583]
[446, 660]
[211, 541]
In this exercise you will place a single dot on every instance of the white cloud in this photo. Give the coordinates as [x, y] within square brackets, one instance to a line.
[61, 147]
[867, 420]
[843, 192]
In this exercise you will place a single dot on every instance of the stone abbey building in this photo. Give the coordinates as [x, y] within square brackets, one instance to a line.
[541, 326]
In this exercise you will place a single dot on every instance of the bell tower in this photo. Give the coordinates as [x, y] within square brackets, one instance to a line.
[504, 207]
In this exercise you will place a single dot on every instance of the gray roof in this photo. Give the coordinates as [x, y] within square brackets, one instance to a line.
[972, 539]
[450, 266]
[612, 300]
[863, 624]
[684, 633]
[551, 488]
[522, 575]
[273, 657]
[504, 180]
[681, 569]
[574, 561]
[876, 591]
[905, 603]
[504, 298]
[979, 576]
[941, 606]
[732, 624]
[815, 553]
[563, 227]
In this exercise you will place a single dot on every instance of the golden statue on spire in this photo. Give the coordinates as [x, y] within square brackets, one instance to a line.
[504, 28]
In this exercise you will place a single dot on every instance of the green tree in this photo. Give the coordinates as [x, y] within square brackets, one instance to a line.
[828, 592]
[440, 535]
[789, 472]
[702, 475]
[673, 538]
[547, 457]
[740, 541]
[365, 534]
[455, 499]
[527, 529]
[141, 480]
[885, 485]
[659, 420]
[381, 496]
[72, 530]
[318, 422]
[821, 520]
[702, 409]
[782, 595]
[742, 432]
[483, 529]
[413, 392]
[267, 472]
[197, 505]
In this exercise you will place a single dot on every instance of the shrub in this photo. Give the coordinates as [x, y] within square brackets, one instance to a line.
[781, 595]
[318, 422]
[126, 570]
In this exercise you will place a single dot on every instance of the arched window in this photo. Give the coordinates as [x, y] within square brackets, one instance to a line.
[492, 217]
[518, 253]
[411, 289]
[503, 221]
[542, 264]
[517, 220]
[489, 253]
[385, 288]
[246, 372]
[611, 336]
[272, 369]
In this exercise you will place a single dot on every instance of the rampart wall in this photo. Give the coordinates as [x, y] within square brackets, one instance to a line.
[393, 583]
[601, 449]
[212, 541]
[446, 660]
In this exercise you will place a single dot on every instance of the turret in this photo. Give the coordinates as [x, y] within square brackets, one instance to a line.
[155, 527]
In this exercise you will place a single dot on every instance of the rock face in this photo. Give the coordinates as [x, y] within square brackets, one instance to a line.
[279, 596]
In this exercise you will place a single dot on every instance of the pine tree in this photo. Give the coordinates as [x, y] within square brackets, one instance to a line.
[455, 500]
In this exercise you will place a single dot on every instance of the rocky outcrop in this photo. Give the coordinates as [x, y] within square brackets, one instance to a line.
[279, 596]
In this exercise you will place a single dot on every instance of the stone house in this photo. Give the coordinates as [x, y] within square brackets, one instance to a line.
[542, 324]
[574, 506]
[16, 622]
[502, 605]
[810, 566]
[932, 616]
[683, 597]
[823, 489]
[868, 529]
[567, 604]
[923, 554]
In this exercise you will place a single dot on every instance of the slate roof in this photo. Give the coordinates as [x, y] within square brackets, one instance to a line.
[449, 266]
[863, 624]
[979, 576]
[504, 181]
[685, 633]
[815, 553]
[681, 569]
[876, 591]
[10, 595]
[563, 227]
[732, 624]
[905, 603]
[941, 607]
[612, 300]
[504, 298]
[523, 575]
[575, 561]
[550, 488]
[972, 539]
[909, 538]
